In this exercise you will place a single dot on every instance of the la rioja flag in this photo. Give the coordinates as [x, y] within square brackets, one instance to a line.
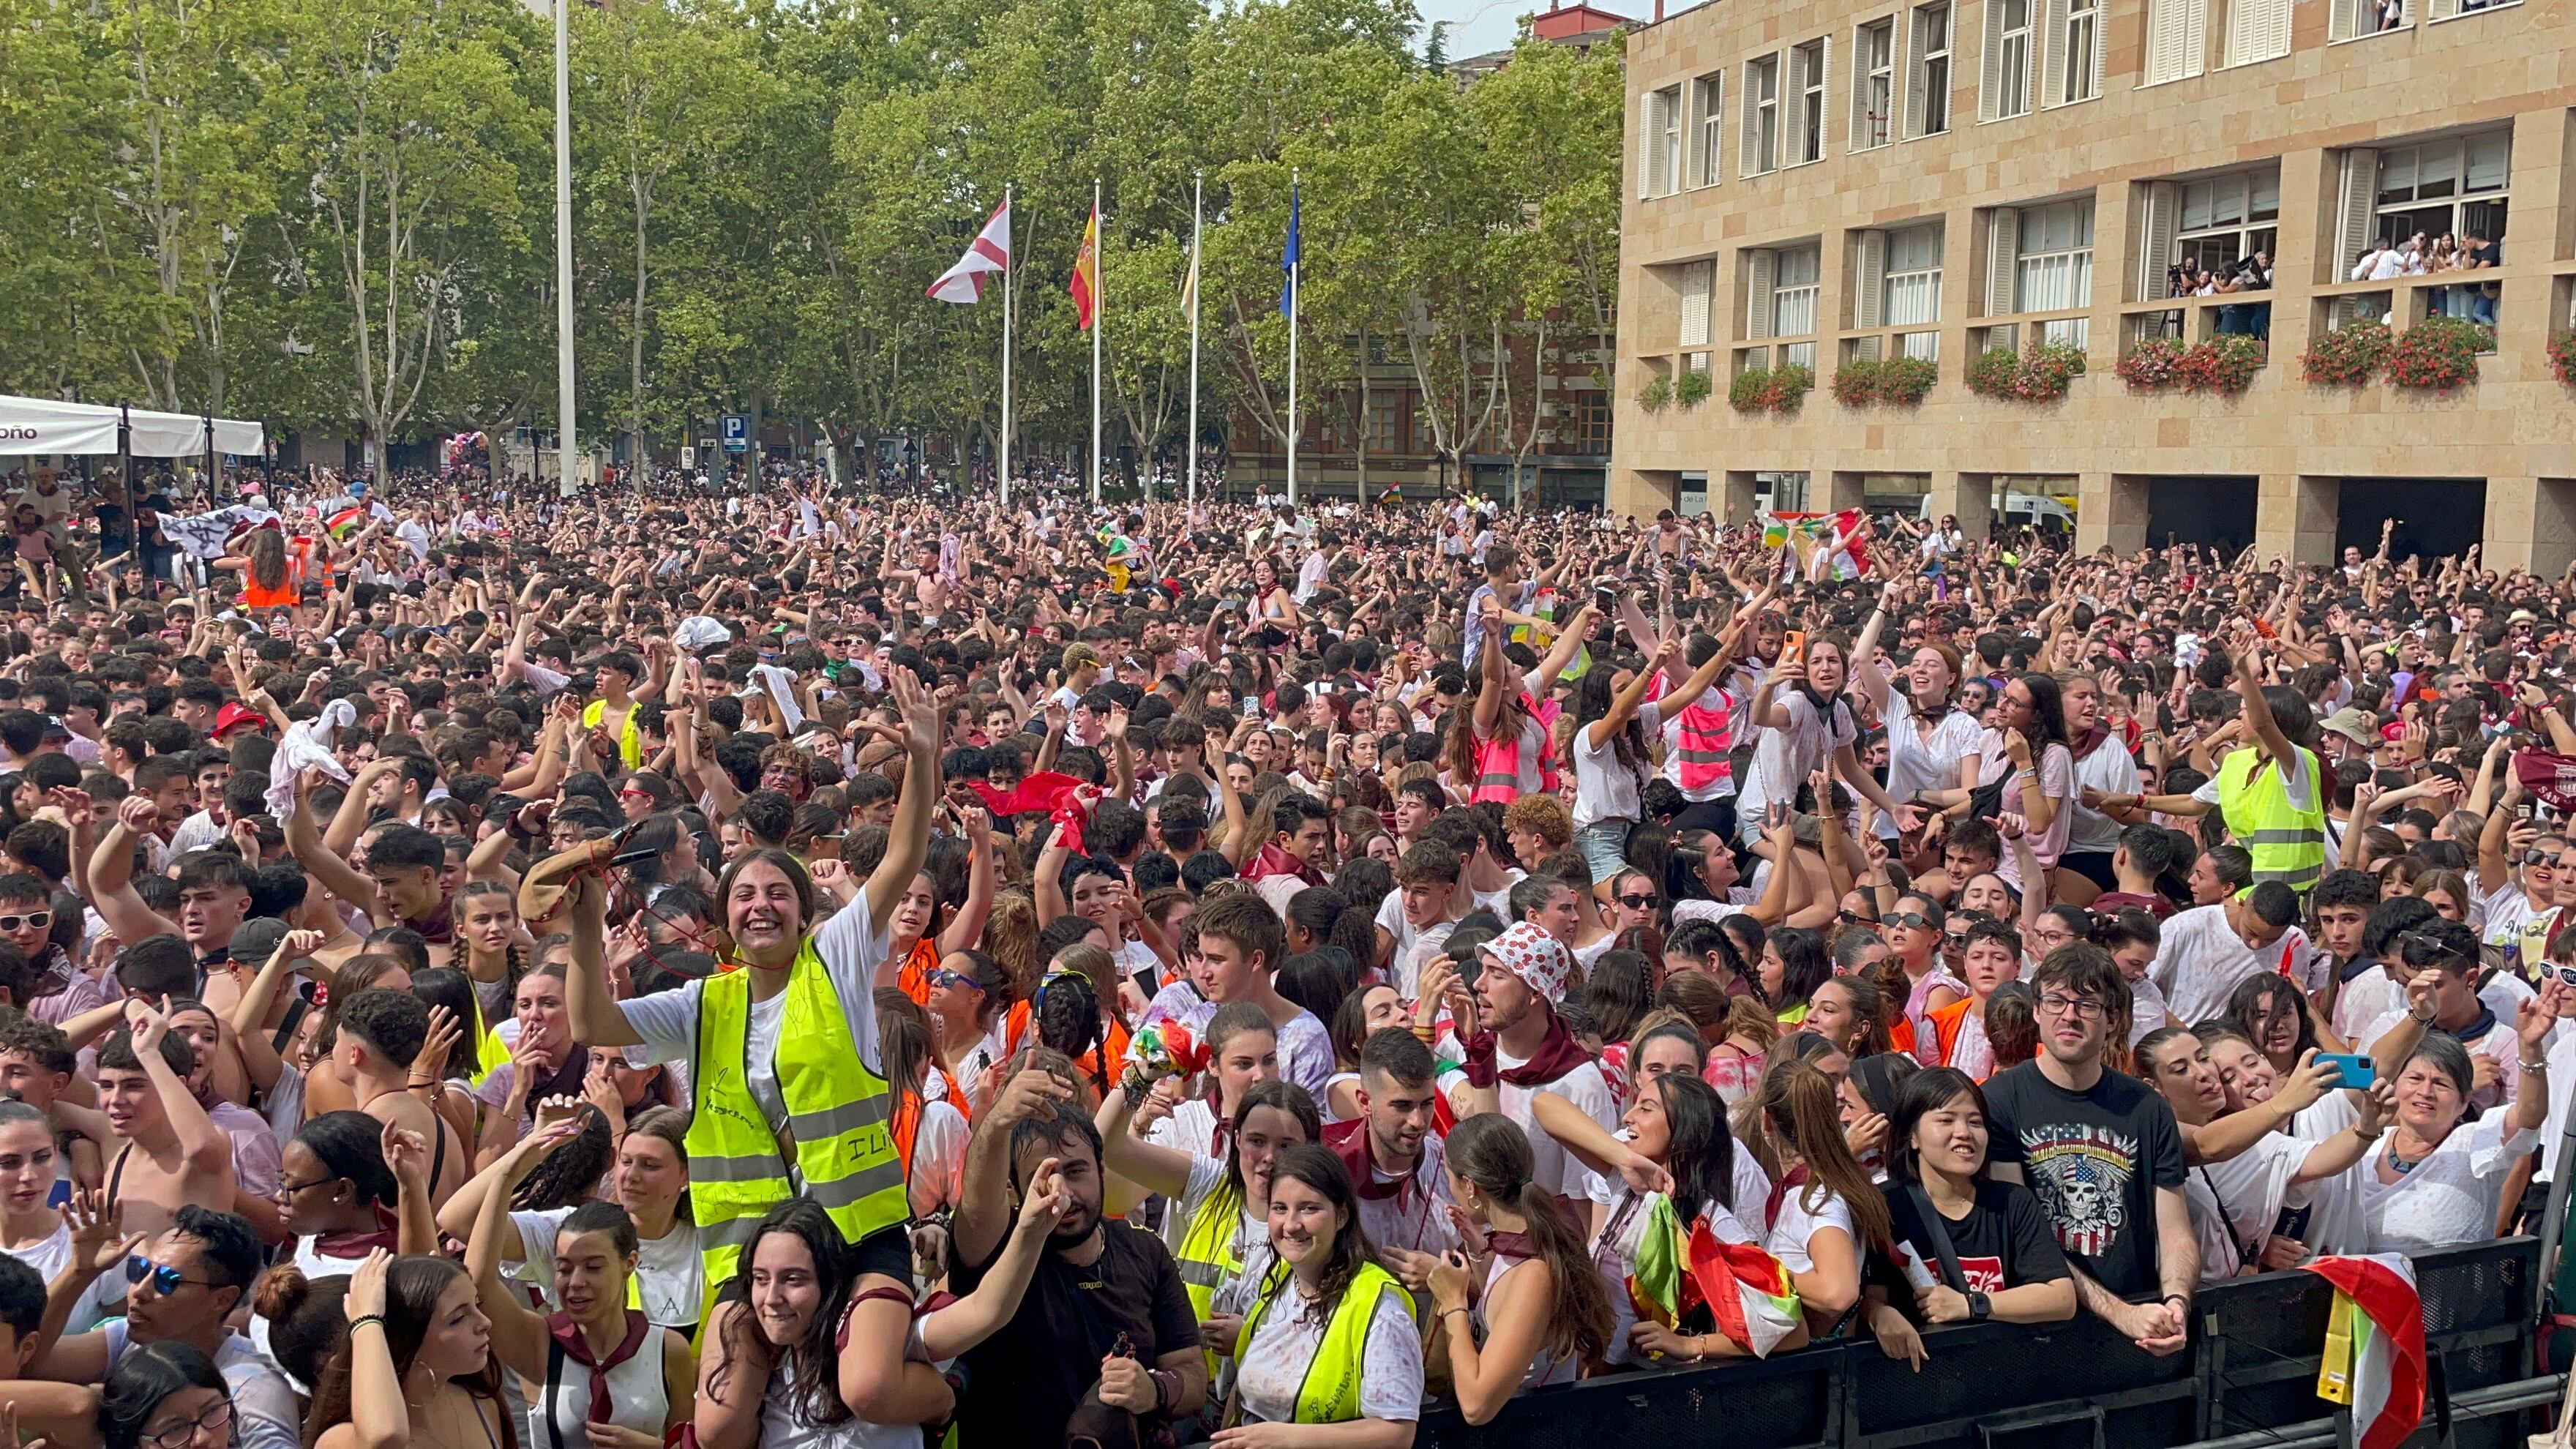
[990, 252]
[2374, 1358]
[1085, 285]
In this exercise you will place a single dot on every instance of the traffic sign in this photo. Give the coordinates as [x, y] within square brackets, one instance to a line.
[737, 433]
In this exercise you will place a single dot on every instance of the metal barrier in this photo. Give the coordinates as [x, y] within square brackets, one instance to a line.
[2249, 1376]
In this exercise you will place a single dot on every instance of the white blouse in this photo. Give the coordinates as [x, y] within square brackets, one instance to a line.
[2451, 1197]
[1284, 1345]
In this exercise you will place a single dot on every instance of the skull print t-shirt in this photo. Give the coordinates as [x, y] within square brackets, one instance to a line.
[2095, 1159]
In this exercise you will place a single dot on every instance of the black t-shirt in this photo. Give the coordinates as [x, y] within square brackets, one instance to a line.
[2095, 1159]
[1030, 1376]
[2004, 1242]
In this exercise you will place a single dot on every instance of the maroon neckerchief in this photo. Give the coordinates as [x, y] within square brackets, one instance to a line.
[1511, 1247]
[1349, 1141]
[1555, 1057]
[356, 1244]
[576, 1347]
[2085, 743]
[438, 928]
[1794, 1178]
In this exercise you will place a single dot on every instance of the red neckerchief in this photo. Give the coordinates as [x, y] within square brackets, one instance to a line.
[1559, 1054]
[2085, 743]
[1349, 1141]
[576, 1347]
[1511, 1247]
[1274, 859]
[355, 1244]
[438, 928]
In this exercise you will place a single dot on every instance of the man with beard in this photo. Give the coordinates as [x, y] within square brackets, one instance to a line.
[1513, 1046]
[1105, 1329]
[2102, 1151]
[1395, 1159]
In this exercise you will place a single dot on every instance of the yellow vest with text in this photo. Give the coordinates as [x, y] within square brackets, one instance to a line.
[2288, 845]
[837, 1113]
[1330, 1392]
[1207, 1258]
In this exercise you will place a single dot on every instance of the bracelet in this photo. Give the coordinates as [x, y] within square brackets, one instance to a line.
[363, 1319]
[2529, 1067]
[1445, 1312]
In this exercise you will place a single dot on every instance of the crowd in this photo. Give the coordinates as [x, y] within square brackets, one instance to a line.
[484, 969]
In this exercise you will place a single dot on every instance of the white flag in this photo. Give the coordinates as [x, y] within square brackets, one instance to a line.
[989, 252]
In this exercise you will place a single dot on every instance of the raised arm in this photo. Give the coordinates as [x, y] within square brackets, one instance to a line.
[332, 869]
[111, 875]
[519, 1337]
[205, 1144]
[908, 839]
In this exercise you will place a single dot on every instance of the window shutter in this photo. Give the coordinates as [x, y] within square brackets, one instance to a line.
[1748, 151]
[1990, 62]
[2003, 249]
[1869, 280]
[1650, 158]
[1824, 83]
[2101, 52]
[2158, 211]
[1793, 108]
[2356, 201]
[2052, 47]
[2275, 37]
[2339, 19]
[2195, 36]
[1697, 280]
[1915, 84]
[1763, 267]
[2164, 40]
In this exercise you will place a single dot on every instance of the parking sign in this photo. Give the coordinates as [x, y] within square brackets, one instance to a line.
[737, 432]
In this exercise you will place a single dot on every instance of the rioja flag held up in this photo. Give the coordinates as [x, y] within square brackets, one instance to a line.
[1085, 285]
[990, 252]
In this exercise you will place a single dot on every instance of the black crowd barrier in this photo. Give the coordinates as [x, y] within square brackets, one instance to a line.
[2251, 1371]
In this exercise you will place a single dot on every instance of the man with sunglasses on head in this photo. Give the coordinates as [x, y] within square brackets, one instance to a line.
[27, 923]
[180, 1285]
[2103, 1153]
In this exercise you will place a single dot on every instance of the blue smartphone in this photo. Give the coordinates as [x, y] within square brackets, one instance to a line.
[2352, 1069]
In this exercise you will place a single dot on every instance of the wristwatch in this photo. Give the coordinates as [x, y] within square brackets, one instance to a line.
[1979, 1308]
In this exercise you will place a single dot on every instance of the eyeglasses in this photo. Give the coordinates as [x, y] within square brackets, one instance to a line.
[165, 1278]
[1634, 903]
[218, 1416]
[33, 921]
[1909, 918]
[2058, 1004]
[955, 979]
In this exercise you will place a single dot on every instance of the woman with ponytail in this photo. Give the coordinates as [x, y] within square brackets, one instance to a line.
[1822, 1210]
[1075, 1011]
[929, 1128]
[1542, 1314]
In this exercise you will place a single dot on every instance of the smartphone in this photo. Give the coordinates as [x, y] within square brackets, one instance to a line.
[2352, 1069]
[1793, 645]
[1606, 600]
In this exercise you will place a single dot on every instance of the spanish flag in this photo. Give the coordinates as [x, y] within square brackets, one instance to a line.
[1085, 285]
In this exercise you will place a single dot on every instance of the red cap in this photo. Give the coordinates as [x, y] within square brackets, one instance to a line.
[234, 716]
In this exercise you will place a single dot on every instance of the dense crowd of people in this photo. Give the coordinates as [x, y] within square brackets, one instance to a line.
[805, 969]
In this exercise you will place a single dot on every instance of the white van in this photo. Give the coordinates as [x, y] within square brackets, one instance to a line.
[2029, 510]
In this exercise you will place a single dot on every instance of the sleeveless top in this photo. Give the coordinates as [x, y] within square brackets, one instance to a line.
[634, 1386]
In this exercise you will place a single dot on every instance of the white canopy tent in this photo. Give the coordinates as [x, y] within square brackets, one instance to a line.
[42, 425]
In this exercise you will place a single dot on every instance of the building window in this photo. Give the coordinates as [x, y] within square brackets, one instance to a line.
[1658, 164]
[2079, 69]
[1592, 420]
[2177, 39]
[1913, 288]
[2053, 266]
[2447, 190]
[1807, 71]
[1706, 95]
[2257, 30]
[2007, 78]
[1927, 99]
[1873, 84]
[1386, 422]
[2351, 18]
[2225, 219]
[1761, 115]
[1793, 295]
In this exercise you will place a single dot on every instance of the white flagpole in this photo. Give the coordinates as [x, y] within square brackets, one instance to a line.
[1296, 304]
[1007, 258]
[566, 417]
[1197, 194]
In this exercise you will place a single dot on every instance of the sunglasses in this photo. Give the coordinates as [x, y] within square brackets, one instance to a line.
[33, 921]
[1909, 918]
[954, 980]
[164, 1278]
[1634, 903]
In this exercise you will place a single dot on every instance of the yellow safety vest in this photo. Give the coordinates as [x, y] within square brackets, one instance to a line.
[1207, 1258]
[2288, 845]
[630, 741]
[489, 1050]
[1330, 1392]
[837, 1114]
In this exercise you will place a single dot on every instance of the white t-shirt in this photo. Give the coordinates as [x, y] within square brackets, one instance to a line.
[2111, 770]
[2201, 958]
[2335, 1223]
[1305, 1047]
[1605, 789]
[1614, 1244]
[1551, 1166]
[2235, 1203]
[2451, 1197]
[1413, 945]
[1918, 759]
[1797, 1223]
[1786, 756]
[49, 1255]
[2365, 999]
[850, 945]
[2498, 1044]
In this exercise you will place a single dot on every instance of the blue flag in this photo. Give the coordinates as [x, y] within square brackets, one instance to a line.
[1288, 262]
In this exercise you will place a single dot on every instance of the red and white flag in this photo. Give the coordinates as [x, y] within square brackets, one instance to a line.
[2374, 1353]
[990, 252]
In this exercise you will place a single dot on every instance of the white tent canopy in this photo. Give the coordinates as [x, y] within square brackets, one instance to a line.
[42, 425]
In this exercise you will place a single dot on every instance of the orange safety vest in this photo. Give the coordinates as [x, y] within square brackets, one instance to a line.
[288, 594]
[1705, 740]
[1498, 765]
[914, 978]
[1945, 1025]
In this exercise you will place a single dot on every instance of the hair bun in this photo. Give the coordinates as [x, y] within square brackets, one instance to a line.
[281, 1292]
